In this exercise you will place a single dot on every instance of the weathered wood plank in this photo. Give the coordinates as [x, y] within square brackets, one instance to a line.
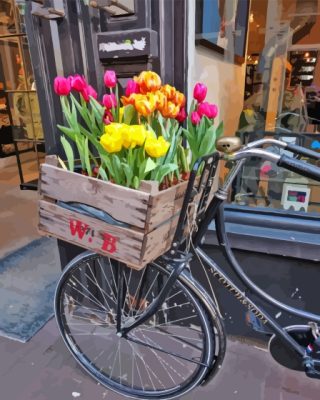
[123, 204]
[165, 204]
[116, 242]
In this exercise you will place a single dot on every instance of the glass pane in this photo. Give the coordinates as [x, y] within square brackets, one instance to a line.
[11, 67]
[25, 113]
[269, 88]
[7, 20]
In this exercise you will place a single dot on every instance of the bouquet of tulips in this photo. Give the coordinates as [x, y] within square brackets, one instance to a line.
[138, 136]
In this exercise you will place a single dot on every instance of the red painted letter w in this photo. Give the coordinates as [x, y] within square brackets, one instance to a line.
[78, 227]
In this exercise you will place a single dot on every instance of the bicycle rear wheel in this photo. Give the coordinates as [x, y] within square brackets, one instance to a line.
[164, 357]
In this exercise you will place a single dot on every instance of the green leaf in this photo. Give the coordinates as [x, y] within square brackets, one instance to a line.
[67, 131]
[69, 152]
[136, 182]
[219, 131]
[82, 109]
[128, 114]
[128, 173]
[78, 140]
[207, 142]
[86, 157]
[105, 158]
[103, 174]
[165, 170]
[117, 169]
[98, 112]
[150, 165]
[191, 140]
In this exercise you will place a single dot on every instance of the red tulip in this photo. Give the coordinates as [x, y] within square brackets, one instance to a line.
[78, 83]
[109, 101]
[110, 79]
[182, 115]
[62, 86]
[132, 87]
[195, 118]
[207, 109]
[200, 92]
[108, 118]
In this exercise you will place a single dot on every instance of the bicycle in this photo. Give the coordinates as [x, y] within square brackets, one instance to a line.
[157, 333]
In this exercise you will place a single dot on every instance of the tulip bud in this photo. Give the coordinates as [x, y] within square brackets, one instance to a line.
[182, 115]
[195, 118]
[200, 92]
[110, 79]
[78, 83]
[132, 87]
[62, 86]
[109, 101]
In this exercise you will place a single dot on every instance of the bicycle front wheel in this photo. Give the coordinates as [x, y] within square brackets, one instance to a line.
[163, 358]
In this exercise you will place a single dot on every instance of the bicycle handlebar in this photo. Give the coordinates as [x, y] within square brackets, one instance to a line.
[290, 163]
[303, 151]
[300, 167]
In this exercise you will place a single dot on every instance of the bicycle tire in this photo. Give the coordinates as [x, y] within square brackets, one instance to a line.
[205, 352]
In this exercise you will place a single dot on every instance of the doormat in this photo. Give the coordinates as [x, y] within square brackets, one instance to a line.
[28, 279]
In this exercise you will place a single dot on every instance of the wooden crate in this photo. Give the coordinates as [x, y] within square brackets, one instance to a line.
[151, 215]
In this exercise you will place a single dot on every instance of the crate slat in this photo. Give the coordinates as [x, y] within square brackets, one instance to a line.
[123, 204]
[122, 243]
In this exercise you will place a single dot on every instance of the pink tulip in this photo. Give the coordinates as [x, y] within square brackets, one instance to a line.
[62, 86]
[207, 109]
[200, 92]
[109, 101]
[78, 83]
[110, 79]
[195, 118]
[132, 87]
[87, 92]
[182, 115]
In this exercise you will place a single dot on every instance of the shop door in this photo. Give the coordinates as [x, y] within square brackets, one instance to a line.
[88, 37]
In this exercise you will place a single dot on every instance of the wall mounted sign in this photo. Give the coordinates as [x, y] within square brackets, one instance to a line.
[142, 43]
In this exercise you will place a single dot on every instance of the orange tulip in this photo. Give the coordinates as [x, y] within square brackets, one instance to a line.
[161, 100]
[145, 104]
[168, 91]
[128, 100]
[179, 99]
[148, 81]
[170, 110]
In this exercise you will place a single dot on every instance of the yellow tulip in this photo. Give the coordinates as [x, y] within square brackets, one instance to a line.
[112, 143]
[113, 128]
[156, 147]
[148, 81]
[134, 135]
[145, 104]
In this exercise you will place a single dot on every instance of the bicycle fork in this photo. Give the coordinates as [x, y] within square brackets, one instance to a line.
[178, 266]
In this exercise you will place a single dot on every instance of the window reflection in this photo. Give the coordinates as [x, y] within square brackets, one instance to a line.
[281, 100]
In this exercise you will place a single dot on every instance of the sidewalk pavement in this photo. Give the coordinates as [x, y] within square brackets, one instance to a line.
[43, 369]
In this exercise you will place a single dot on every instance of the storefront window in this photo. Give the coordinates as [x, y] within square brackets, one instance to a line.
[268, 88]
[20, 121]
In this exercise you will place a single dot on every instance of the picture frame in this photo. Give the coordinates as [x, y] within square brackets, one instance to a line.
[222, 26]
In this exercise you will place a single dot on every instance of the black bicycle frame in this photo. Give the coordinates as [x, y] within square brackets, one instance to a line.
[215, 210]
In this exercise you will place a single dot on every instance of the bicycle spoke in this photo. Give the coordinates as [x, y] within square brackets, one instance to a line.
[160, 357]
